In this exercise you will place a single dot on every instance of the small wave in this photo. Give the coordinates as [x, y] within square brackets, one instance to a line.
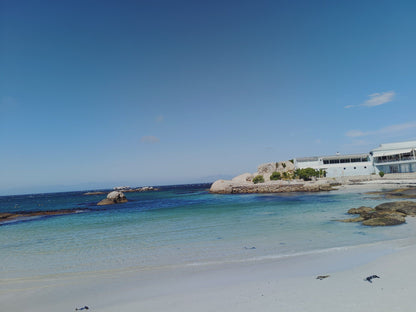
[394, 244]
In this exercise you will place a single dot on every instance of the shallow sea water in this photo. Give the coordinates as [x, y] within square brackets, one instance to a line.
[178, 226]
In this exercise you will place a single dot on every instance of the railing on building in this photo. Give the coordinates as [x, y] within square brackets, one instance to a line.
[395, 158]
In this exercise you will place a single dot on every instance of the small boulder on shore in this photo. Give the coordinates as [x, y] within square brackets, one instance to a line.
[114, 197]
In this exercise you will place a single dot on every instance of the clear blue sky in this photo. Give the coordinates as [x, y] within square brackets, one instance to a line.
[102, 93]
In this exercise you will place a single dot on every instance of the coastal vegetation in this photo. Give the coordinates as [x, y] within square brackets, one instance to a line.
[306, 174]
[258, 179]
[275, 176]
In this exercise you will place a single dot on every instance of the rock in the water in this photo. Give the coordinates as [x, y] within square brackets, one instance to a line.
[408, 192]
[408, 210]
[381, 214]
[407, 207]
[114, 197]
[388, 219]
[94, 193]
[105, 201]
[360, 210]
[10, 216]
[391, 213]
[358, 219]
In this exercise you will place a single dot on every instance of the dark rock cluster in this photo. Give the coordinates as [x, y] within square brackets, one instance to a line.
[392, 213]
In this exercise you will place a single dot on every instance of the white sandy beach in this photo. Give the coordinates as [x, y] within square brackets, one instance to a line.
[268, 284]
[286, 284]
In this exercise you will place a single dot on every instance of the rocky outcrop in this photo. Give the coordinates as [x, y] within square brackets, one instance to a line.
[357, 219]
[392, 213]
[242, 178]
[27, 215]
[94, 193]
[391, 219]
[141, 189]
[267, 169]
[231, 187]
[114, 197]
[360, 210]
[222, 187]
[243, 183]
[401, 193]
[406, 207]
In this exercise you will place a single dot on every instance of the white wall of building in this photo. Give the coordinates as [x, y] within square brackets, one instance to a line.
[339, 170]
[351, 169]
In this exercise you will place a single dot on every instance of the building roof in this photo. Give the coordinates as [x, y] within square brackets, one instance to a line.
[306, 159]
[396, 146]
[349, 156]
[316, 158]
[385, 149]
[388, 149]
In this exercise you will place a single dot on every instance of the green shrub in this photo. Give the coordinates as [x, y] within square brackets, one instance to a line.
[306, 174]
[258, 179]
[275, 176]
[381, 174]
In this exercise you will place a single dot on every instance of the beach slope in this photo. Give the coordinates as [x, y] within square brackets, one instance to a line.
[280, 284]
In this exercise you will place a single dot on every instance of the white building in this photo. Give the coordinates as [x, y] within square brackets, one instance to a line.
[395, 157]
[389, 158]
[338, 165]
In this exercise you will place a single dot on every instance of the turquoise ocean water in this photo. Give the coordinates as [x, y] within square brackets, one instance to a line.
[177, 226]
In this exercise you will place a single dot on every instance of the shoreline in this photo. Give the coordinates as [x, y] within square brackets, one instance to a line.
[287, 283]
